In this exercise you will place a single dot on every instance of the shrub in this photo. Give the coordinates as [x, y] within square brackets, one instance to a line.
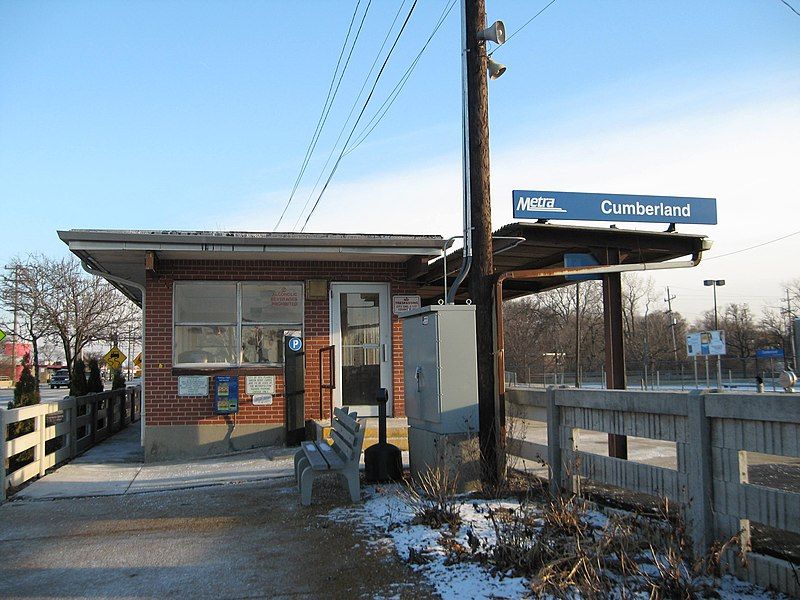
[119, 380]
[95, 383]
[77, 382]
[26, 391]
[432, 498]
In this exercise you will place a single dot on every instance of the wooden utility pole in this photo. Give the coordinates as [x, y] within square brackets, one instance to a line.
[482, 271]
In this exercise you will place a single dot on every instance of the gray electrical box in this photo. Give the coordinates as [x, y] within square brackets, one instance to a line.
[441, 370]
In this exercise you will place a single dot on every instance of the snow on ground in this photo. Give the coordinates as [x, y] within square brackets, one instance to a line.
[385, 518]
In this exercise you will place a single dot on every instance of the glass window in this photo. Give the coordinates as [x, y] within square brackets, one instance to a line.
[208, 329]
[272, 303]
[205, 302]
[262, 344]
[205, 344]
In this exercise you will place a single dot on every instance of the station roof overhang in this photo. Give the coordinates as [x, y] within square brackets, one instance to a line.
[535, 246]
[122, 254]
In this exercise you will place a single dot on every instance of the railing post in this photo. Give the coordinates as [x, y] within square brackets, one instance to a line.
[73, 427]
[700, 514]
[554, 442]
[39, 452]
[93, 420]
[3, 457]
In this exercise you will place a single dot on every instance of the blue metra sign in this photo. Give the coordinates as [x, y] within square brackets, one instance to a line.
[769, 353]
[295, 344]
[575, 206]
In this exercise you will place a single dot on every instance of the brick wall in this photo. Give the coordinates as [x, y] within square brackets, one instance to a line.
[162, 404]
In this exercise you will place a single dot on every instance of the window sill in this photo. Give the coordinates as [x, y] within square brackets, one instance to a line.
[234, 370]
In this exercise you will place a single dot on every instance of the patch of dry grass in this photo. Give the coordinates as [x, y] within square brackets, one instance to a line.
[431, 497]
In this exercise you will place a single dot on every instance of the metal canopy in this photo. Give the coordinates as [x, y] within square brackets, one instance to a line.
[524, 246]
[121, 253]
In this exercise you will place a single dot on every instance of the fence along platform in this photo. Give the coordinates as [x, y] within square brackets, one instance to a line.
[81, 422]
[712, 432]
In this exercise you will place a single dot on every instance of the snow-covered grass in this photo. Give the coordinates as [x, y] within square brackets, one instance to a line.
[455, 560]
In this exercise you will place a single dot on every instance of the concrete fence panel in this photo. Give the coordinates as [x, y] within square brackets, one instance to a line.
[713, 433]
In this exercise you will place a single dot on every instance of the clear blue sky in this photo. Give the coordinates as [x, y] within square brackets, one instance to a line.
[190, 115]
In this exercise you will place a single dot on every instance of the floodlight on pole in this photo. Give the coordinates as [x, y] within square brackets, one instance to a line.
[714, 283]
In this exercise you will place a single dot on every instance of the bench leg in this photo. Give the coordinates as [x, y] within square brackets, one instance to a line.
[306, 482]
[298, 456]
[301, 466]
[353, 484]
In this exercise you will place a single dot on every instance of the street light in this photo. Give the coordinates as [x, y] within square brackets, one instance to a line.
[715, 283]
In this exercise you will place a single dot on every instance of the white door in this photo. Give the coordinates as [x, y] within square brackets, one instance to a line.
[361, 331]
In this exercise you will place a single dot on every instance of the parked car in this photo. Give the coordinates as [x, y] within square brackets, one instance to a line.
[60, 378]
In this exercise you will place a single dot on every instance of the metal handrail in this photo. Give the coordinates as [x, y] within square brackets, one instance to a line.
[331, 378]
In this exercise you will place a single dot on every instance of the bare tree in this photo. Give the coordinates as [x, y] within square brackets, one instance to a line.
[57, 298]
[26, 292]
[83, 308]
[740, 333]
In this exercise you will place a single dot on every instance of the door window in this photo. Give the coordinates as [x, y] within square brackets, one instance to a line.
[360, 318]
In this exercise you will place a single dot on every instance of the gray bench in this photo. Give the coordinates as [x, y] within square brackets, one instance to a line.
[342, 457]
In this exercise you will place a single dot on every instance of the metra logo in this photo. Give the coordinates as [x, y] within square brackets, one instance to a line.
[538, 204]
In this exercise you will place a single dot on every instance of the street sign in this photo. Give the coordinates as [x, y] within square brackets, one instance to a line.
[706, 343]
[295, 344]
[580, 260]
[138, 360]
[574, 206]
[2, 335]
[769, 353]
[114, 358]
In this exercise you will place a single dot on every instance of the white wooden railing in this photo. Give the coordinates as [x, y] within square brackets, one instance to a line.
[80, 422]
[713, 434]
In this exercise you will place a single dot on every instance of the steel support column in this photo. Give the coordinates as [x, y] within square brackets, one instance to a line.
[615, 344]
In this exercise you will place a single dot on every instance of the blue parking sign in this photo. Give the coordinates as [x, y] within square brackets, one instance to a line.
[295, 344]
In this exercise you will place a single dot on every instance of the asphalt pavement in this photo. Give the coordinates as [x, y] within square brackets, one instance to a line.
[107, 525]
[48, 395]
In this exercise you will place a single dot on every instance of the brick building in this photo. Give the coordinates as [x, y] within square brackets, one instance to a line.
[220, 305]
[219, 308]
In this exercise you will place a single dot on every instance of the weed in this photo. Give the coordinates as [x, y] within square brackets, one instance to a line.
[432, 498]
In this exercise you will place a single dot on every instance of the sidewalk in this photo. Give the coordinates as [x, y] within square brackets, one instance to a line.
[114, 467]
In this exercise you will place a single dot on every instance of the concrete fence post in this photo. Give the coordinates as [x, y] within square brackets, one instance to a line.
[554, 442]
[73, 426]
[3, 457]
[39, 453]
[699, 514]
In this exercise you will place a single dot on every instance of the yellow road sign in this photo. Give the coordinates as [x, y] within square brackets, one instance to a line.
[2, 335]
[114, 358]
[138, 360]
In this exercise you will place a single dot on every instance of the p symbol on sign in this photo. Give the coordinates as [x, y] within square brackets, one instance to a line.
[295, 344]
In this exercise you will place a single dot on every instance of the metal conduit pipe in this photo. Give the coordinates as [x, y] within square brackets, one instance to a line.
[517, 240]
[466, 263]
[142, 289]
[500, 360]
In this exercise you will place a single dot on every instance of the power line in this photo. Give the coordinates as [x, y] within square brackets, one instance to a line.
[528, 22]
[783, 237]
[349, 115]
[361, 113]
[326, 107]
[792, 8]
[390, 99]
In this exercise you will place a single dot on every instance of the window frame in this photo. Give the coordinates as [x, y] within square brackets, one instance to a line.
[237, 325]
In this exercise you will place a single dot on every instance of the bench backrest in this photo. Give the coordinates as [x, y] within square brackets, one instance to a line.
[347, 434]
